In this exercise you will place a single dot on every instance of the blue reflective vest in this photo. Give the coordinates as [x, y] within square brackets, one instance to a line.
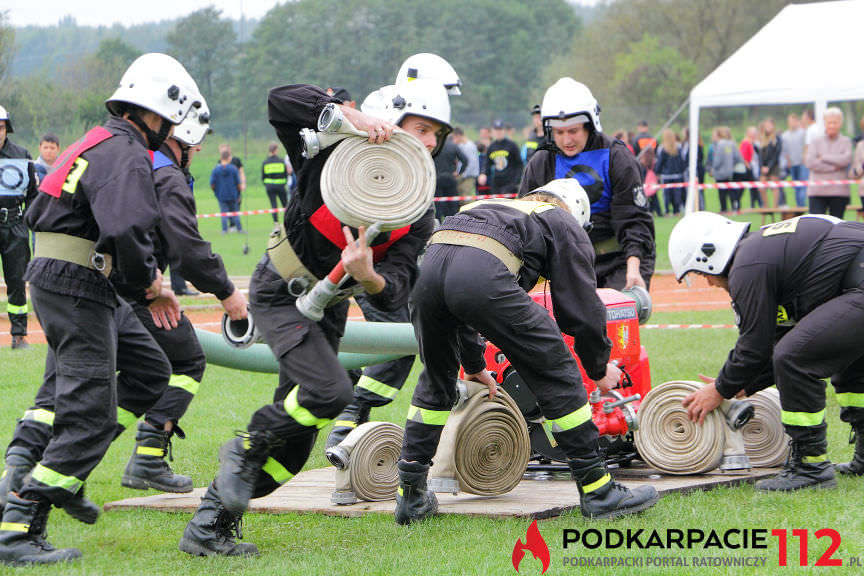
[591, 169]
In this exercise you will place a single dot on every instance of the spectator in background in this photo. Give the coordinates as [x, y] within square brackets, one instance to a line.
[812, 129]
[828, 157]
[342, 94]
[649, 181]
[670, 169]
[860, 136]
[856, 170]
[237, 164]
[537, 138]
[747, 148]
[503, 168]
[770, 149]
[793, 151]
[483, 142]
[643, 139]
[274, 175]
[723, 162]
[700, 164]
[622, 135]
[468, 183]
[448, 163]
[49, 148]
[225, 183]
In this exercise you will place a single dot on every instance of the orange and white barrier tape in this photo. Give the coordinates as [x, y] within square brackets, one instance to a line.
[755, 184]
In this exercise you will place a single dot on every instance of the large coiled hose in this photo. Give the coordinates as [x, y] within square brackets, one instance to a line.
[391, 183]
[669, 441]
[765, 440]
[366, 463]
[484, 447]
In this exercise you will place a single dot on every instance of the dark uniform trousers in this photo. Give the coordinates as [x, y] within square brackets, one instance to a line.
[77, 403]
[824, 343]
[448, 295]
[188, 363]
[380, 383]
[611, 270]
[15, 252]
[313, 387]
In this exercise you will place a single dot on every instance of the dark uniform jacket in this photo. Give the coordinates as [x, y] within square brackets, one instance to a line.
[627, 217]
[551, 244]
[778, 275]
[12, 150]
[298, 106]
[114, 205]
[179, 242]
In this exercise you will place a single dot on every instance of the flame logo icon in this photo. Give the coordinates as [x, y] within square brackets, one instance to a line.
[535, 544]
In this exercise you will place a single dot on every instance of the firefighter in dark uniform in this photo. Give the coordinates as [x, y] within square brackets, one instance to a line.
[475, 275]
[181, 247]
[378, 385]
[313, 387]
[92, 217]
[17, 185]
[622, 227]
[797, 289]
[274, 175]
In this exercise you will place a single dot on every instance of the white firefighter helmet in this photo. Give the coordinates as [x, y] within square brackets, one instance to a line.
[159, 83]
[4, 115]
[424, 97]
[574, 196]
[431, 66]
[704, 242]
[568, 101]
[192, 130]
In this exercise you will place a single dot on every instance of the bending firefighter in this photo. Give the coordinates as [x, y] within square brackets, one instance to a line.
[92, 217]
[474, 276]
[622, 230]
[313, 387]
[797, 289]
[379, 384]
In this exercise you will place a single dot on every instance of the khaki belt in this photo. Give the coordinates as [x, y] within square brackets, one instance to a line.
[288, 264]
[607, 246]
[72, 249]
[490, 245]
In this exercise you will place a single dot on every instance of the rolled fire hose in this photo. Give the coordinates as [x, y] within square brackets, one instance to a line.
[670, 442]
[765, 439]
[366, 463]
[484, 448]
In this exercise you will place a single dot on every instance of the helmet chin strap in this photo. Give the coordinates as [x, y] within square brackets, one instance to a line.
[154, 139]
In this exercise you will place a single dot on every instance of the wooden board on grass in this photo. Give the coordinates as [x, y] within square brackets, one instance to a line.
[540, 496]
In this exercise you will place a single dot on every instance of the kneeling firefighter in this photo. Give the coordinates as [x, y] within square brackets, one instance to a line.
[313, 387]
[797, 289]
[475, 276]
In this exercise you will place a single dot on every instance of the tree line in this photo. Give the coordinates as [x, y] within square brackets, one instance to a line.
[640, 57]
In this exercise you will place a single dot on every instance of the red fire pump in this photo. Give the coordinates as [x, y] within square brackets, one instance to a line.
[614, 413]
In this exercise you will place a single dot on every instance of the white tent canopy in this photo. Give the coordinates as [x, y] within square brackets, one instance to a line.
[808, 53]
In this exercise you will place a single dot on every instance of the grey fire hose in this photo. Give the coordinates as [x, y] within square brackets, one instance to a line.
[669, 441]
[365, 463]
[765, 439]
[484, 448]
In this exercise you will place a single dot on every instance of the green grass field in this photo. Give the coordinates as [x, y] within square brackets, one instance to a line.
[138, 542]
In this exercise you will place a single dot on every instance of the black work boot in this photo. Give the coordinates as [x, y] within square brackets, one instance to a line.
[147, 468]
[211, 531]
[352, 416]
[19, 464]
[601, 497]
[854, 467]
[22, 534]
[413, 501]
[241, 460]
[806, 467]
[81, 508]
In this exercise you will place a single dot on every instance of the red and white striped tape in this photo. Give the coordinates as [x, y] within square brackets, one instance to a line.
[755, 184]
[440, 199]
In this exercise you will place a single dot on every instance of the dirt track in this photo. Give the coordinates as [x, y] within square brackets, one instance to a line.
[667, 295]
